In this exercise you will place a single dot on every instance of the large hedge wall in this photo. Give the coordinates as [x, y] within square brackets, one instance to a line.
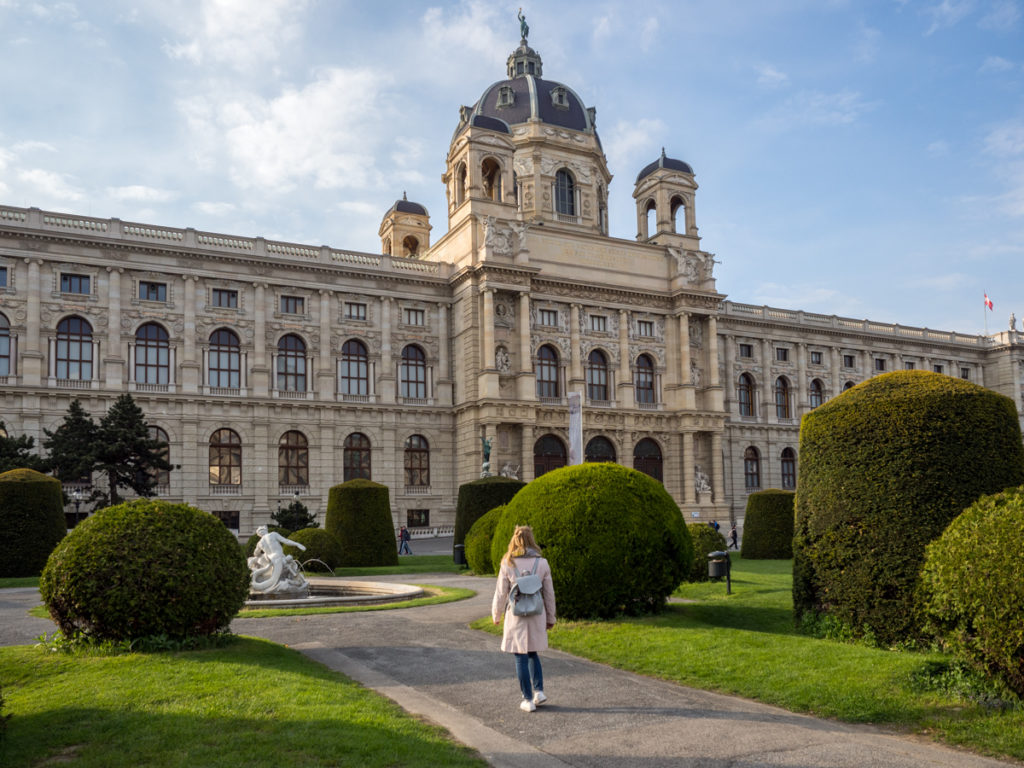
[145, 568]
[705, 541]
[972, 593]
[478, 497]
[885, 467]
[32, 521]
[768, 525]
[359, 514]
[478, 541]
[614, 537]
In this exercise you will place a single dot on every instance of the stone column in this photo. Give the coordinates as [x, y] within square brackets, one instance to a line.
[689, 401]
[575, 360]
[767, 382]
[689, 468]
[191, 366]
[387, 370]
[443, 380]
[487, 328]
[31, 363]
[527, 468]
[837, 372]
[717, 473]
[729, 389]
[260, 376]
[625, 384]
[112, 365]
[714, 381]
[327, 370]
[525, 347]
[801, 385]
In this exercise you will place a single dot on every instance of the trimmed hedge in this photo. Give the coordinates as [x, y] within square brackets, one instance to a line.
[768, 525]
[972, 594]
[320, 545]
[885, 467]
[32, 521]
[614, 537]
[145, 568]
[359, 514]
[705, 541]
[479, 497]
[478, 542]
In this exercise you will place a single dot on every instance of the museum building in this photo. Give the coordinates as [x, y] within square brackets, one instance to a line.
[275, 370]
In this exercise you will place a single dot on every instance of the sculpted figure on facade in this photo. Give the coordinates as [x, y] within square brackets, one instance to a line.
[701, 481]
[1013, 322]
[502, 360]
[696, 376]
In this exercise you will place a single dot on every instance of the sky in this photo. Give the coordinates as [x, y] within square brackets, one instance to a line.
[855, 157]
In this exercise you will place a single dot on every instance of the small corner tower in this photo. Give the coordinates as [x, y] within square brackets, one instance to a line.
[405, 230]
[665, 191]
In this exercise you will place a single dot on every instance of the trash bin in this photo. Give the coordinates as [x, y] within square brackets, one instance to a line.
[718, 564]
[459, 554]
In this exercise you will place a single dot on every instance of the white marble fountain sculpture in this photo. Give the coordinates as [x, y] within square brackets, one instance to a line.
[274, 572]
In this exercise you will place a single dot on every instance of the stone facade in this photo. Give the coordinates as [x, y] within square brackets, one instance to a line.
[289, 367]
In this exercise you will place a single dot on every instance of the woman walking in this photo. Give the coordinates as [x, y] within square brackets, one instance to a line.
[524, 636]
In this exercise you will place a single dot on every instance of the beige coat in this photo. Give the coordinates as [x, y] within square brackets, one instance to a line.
[523, 634]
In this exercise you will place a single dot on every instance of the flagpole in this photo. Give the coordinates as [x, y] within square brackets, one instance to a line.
[984, 310]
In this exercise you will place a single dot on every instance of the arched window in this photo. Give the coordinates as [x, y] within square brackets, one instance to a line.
[788, 468]
[291, 364]
[414, 373]
[355, 368]
[410, 247]
[293, 459]
[490, 172]
[815, 393]
[152, 355]
[225, 458]
[417, 461]
[161, 477]
[547, 372]
[387, 246]
[599, 449]
[782, 398]
[751, 468]
[643, 380]
[225, 359]
[565, 193]
[548, 454]
[647, 458]
[74, 349]
[356, 457]
[460, 184]
[678, 213]
[5, 346]
[597, 377]
[745, 395]
[848, 385]
[650, 219]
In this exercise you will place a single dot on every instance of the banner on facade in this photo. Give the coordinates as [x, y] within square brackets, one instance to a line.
[575, 428]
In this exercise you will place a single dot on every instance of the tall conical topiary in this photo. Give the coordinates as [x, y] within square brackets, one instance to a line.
[359, 514]
[32, 521]
[478, 497]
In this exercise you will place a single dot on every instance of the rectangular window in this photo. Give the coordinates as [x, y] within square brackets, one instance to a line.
[644, 328]
[3, 277]
[74, 283]
[222, 297]
[847, 361]
[965, 373]
[938, 369]
[355, 310]
[908, 366]
[879, 364]
[815, 358]
[149, 291]
[782, 354]
[418, 518]
[746, 350]
[598, 323]
[293, 305]
[548, 317]
[414, 316]
[230, 519]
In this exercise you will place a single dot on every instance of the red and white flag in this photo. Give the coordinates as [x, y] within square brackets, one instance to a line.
[988, 301]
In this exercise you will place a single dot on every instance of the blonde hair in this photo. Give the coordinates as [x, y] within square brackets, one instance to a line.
[521, 541]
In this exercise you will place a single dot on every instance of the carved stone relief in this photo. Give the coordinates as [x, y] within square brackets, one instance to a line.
[696, 334]
[502, 360]
[504, 311]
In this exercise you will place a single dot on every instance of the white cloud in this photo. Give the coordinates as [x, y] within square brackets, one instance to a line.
[770, 77]
[865, 47]
[1006, 140]
[817, 108]
[466, 36]
[939, 148]
[649, 32]
[1001, 17]
[32, 146]
[997, 64]
[139, 193]
[50, 184]
[603, 29]
[633, 141]
[360, 208]
[215, 209]
[57, 12]
[948, 13]
[804, 296]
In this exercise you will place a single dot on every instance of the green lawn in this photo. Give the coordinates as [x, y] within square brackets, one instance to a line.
[414, 564]
[745, 644]
[251, 703]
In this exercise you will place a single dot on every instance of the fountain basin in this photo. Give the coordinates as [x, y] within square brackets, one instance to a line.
[327, 592]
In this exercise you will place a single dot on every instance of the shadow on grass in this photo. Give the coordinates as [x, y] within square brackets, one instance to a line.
[752, 618]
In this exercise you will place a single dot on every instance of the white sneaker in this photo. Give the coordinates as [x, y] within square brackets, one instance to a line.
[527, 706]
[539, 698]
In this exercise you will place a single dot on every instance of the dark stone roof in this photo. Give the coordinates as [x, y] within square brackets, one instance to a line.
[532, 99]
[664, 162]
[406, 206]
[491, 123]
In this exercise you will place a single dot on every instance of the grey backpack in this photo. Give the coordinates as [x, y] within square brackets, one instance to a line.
[525, 596]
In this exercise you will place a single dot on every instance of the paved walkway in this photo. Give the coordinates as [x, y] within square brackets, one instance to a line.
[433, 665]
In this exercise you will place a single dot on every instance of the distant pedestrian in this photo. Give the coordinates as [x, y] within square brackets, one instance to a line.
[734, 537]
[403, 541]
[524, 636]
[714, 524]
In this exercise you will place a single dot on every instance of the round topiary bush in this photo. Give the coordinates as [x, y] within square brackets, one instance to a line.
[32, 519]
[972, 594]
[614, 537]
[478, 542]
[885, 467]
[705, 540]
[479, 497]
[768, 525]
[359, 514]
[320, 545]
[145, 568]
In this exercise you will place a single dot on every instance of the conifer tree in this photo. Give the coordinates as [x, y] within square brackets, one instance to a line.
[126, 453]
[72, 446]
[18, 452]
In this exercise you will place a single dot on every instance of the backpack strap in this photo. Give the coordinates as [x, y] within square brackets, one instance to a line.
[535, 561]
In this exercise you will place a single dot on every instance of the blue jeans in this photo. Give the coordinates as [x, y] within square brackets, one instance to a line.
[403, 548]
[528, 671]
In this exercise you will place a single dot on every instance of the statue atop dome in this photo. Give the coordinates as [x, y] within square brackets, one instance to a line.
[524, 28]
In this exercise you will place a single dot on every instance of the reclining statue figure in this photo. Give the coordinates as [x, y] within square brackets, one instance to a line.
[273, 570]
